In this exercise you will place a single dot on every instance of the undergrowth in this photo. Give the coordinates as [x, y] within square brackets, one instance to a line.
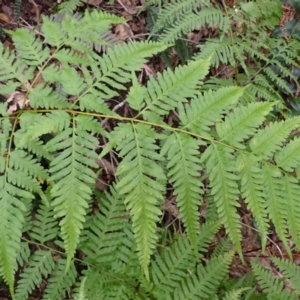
[226, 145]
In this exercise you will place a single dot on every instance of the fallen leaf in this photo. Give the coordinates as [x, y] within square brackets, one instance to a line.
[94, 2]
[4, 18]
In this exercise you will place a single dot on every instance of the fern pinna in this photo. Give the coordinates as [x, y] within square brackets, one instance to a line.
[55, 140]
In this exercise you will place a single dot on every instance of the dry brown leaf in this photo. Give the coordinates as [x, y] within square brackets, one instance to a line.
[123, 31]
[4, 18]
[94, 2]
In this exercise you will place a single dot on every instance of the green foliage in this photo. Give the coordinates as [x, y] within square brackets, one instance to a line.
[223, 150]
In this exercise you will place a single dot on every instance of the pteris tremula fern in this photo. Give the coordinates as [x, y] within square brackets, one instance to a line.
[53, 139]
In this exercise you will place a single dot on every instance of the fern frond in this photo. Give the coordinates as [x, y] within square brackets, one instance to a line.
[224, 188]
[172, 88]
[142, 183]
[288, 158]
[183, 170]
[60, 281]
[242, 123]
[253, 192]
[44, 226]
[205, 281]
[270, 139]
[290, 270]
[40, 263]
[203, 111]
[272, 286]
[276, 203]
[69, 6]
[291, 190]
[12, 67]
[235, 294]
[171, 266]
[104, 231]
[72, 177]
[206, 16]
[31, 50]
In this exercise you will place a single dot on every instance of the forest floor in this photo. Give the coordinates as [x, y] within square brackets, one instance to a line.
[136, 28]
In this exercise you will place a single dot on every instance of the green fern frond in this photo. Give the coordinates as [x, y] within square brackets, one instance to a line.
[69, 6]
[40, 263]
[172, 265]
[291, 191]
[271, 285]
[205, 280]
[172, 88]
[103, 232]
[224, 188]
[242, 123]
[206, 16]
[142, 183]
[252, 191]
[268, 140]
[288, 158]
[234, 295]
[183, 170]
[44, 226]
[203, 111]
[290, 271]
[72, 177]
[31, 50]
[60, 281]
[276, 204]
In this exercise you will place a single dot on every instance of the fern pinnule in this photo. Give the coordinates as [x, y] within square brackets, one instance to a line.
[170, 266]
[72, 176]
[288, 158]
[242, 123]
[220, 164]
[183, 171]
[172, 88]
[206, 109]
[142, 182]
[62, 277]
[41, 263]
[204, 281]
[271, 285]
[268, 140]
[252, 191]
[290, 271]
[44, 227]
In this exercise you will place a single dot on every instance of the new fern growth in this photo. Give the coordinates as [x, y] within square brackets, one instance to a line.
[54, 136]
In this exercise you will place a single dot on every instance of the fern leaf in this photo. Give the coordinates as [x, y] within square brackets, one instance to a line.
[118, 63]
[31, 50]
[172, 265]
[276, 204]
[235, 294]
[105, 232]
[142, 183]
[13, 68]
[242, 123]
[224, 189]
[270, 139]
[207, 16]
[60, 281]
[291, 189]
[69, 6]
[40, 263]
[172, 88]
[272, 286]
[203, 111]
[45, 226]
[205, 282]
[72, 178]
[288, 158]
[184, 167]
[253, 191]
[290, 270]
